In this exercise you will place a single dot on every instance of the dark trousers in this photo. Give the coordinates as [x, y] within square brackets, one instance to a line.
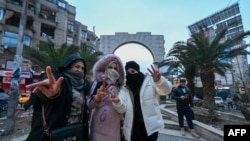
[230, 104]
[185, 110]
[139, 133]
[35, 116]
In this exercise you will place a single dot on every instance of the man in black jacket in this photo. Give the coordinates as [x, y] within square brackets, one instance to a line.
[183, 99]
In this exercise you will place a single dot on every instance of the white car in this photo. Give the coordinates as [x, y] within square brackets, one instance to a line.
[219, 101]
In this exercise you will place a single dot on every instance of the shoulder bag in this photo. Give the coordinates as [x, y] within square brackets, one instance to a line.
[75, 132]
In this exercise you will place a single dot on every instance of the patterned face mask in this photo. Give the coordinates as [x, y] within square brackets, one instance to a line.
[112, 75]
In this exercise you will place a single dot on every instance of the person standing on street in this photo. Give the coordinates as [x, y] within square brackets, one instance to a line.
[183, 99]
[229, 101]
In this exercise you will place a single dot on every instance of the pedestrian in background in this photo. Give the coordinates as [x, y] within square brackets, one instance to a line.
[108, 73]
[237, 101]
[229, 101]
[184, 103]
[139, 101]
[63, 94]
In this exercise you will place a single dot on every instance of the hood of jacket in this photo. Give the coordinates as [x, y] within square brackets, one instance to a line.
[101, 65]
[70, 60]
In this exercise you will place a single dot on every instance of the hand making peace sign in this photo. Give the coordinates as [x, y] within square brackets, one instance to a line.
[154, 73]
[114, 94]
[101, 92]
[49, 86]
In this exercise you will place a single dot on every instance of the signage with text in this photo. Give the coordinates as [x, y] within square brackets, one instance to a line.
[9, 74]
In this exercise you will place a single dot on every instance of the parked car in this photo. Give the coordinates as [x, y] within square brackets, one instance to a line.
[219, 101]
[197, 101]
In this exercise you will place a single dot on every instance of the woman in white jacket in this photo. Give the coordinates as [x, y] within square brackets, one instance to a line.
[138, 101]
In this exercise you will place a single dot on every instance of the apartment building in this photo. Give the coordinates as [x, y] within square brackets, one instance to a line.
[46, 19]
[213, 24]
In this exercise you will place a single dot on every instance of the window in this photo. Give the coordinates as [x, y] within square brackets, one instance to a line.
[1, 13]
[31, 6]
[47, 31]
[69, 40]
[10, 39]
[84, 34]
[18, 2]
[53, 1]
[61, 4]
[70, 26]
[26, 40]
[47, 13]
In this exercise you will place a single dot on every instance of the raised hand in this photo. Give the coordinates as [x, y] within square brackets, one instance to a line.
[114, 95]
[50, 86]
[154, 73]
[101, 92]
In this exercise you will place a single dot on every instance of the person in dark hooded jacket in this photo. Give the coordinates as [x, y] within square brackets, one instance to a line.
[63, 97]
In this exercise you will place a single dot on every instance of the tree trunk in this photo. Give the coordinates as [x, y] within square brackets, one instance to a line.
[207, 79]
[245, 111]
[191, 86]
[16, 73]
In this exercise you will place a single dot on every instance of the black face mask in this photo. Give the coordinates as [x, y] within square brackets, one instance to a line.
[135, 80]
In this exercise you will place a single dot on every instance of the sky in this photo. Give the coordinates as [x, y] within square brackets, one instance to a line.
[170, 18]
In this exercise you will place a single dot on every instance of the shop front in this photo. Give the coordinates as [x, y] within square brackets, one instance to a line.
[5, 80]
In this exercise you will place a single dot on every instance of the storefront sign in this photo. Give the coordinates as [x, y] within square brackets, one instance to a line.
[9, 74]
[26, 75]
[5, 73]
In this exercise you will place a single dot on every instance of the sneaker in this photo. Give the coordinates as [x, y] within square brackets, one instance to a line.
[194, 134]
[183, 132]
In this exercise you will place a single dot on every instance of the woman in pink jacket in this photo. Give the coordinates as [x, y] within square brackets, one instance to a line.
[108, 73]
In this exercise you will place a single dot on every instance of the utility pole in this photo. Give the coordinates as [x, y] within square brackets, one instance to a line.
[16, 73]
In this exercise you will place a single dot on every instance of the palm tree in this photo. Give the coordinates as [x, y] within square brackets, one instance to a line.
[208, 55]
[186, 68]
[47, 55]
[89, 55]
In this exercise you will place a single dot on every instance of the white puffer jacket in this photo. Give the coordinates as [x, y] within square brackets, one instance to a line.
[149, 98]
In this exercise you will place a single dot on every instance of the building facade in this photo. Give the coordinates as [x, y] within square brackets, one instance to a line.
[213, 24]
[46, 19]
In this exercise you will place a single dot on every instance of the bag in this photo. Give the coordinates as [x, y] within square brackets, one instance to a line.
[72, 132]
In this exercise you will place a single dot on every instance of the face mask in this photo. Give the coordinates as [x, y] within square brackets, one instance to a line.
[112, 75]
[135, 80]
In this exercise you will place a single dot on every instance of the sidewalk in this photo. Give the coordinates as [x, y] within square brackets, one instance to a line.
[174, 135]
[171, 131]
